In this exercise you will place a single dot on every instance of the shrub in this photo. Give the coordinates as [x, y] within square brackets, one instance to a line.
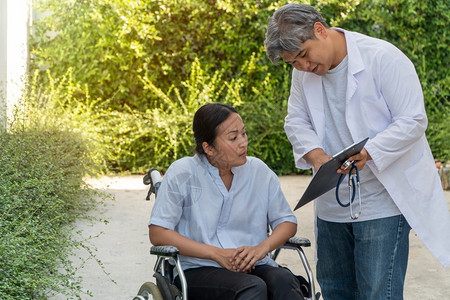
[111, 43]
[130, 53]
[41, 194]
[43, 163]
[158, 136]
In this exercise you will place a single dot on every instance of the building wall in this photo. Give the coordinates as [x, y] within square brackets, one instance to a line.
[14, 21]
[3, 60]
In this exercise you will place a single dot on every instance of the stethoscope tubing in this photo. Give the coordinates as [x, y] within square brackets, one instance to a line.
[353, 189]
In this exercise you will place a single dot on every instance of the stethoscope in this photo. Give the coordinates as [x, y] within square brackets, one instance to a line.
[353, 187]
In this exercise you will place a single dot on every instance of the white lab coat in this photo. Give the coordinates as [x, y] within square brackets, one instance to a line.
[385, 103]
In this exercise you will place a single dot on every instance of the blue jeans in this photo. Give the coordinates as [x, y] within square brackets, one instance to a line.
[264, 282]
[363, 260]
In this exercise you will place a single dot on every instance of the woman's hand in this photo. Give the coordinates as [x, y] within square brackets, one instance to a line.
[163, 236]
[224, 258]
[244, 258]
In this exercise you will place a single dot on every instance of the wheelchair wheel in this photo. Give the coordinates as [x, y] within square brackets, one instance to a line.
[149, 291]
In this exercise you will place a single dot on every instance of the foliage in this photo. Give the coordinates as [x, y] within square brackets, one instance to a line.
[263, 113]
[160, 135]
[42, 192]
[40, 182]
[135, 57]
[438, 110]
[62, 103]
[111, 44]
[135, 132]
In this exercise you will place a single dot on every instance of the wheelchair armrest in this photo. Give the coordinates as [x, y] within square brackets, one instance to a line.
[297, 242]
[293, 242]
[164, 251]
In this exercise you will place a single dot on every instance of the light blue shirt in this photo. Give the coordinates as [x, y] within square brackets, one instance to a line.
[193, 201]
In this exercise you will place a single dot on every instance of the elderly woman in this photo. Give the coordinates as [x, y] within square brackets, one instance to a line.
[216, 206]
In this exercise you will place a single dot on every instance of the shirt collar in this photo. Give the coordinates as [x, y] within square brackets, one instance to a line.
[215, 171]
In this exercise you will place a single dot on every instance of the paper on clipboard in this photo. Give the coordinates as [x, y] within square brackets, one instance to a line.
[326, 177]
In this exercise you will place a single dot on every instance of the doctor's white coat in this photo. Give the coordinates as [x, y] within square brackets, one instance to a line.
[384, 102]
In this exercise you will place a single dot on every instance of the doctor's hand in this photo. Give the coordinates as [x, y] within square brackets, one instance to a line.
[360, 160]
[316, 157]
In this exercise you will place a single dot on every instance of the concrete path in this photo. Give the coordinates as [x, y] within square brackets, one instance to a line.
[123, 245]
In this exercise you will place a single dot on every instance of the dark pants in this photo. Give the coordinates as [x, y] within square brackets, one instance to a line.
[264, 282]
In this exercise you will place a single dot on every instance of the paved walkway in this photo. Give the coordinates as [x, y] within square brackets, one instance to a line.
[123, 246]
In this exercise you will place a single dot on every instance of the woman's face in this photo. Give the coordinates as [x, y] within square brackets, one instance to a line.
[230, 145]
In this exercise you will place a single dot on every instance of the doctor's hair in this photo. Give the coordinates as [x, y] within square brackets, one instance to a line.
[206, 120]
[290, 26]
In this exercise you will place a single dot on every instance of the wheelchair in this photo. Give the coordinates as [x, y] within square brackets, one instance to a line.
[168, 263]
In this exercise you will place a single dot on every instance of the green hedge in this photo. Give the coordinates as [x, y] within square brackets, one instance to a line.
[45, 157]
[134, 57]
[41, 194]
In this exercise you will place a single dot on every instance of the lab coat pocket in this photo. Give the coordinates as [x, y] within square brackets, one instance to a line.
[375, 113]
[421, 178]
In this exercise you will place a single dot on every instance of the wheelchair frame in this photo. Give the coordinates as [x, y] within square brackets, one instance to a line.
[167, 260]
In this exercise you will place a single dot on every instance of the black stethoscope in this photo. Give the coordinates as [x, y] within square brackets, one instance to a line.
[353, 188]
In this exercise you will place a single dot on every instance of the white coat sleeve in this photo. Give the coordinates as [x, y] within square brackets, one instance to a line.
[299, 126]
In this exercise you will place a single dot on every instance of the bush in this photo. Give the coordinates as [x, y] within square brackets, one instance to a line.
[43, 163]
[263, 113]
[158, 136]
[137, 120]
[41, 194]
[131, 53]
[111, 44]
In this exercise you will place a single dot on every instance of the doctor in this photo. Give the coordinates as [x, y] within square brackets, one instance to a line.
[347, 86]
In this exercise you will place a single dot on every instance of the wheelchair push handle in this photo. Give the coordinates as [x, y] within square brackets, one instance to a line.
[152, 178]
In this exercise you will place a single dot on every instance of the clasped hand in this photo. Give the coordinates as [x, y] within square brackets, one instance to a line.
[242, 259]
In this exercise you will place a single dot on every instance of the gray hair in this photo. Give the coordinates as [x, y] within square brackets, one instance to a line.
[290, 26]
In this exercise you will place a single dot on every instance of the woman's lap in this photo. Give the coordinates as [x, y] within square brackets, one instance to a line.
[219, 283]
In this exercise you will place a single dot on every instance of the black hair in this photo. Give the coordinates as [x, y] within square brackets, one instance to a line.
[206, 120]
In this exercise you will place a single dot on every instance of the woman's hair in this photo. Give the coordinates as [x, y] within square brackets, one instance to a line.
[290, 26]
[206, 120]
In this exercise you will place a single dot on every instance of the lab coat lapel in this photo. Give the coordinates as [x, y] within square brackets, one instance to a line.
[355, 66]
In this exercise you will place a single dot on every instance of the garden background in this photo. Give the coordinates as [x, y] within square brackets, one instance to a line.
[112, 88]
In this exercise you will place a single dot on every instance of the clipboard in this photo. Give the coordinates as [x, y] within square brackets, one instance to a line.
[326, 177]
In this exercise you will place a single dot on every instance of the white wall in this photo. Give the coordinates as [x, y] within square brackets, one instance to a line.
[3, 59]
[14, 21]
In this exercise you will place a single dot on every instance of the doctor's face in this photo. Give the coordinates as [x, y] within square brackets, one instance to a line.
[314, 55]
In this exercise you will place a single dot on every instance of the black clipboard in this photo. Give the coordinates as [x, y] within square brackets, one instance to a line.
[326, 177]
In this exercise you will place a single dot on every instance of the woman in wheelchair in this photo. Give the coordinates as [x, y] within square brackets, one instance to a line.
[216, 206]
